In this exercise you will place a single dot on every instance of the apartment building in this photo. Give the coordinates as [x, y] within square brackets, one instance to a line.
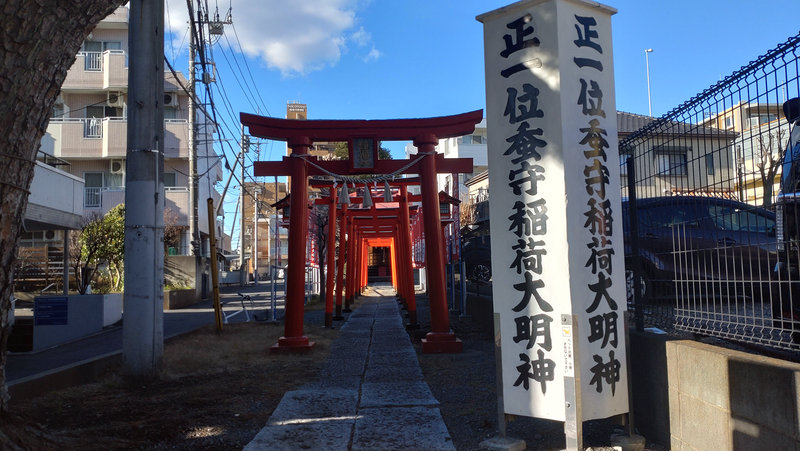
[88, 130]
[468, 146]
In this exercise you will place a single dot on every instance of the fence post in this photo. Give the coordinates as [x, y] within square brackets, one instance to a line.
[633, 219]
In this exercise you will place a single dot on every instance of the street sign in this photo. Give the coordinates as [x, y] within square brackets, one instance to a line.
[51, 311]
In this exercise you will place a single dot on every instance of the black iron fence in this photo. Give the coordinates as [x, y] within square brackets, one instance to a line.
[714, 245]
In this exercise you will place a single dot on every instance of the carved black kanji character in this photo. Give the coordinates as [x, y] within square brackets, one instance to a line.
[604, 326]
[531, 174]
[605, 371]
[530, 288]
[598, 218]
[528, 106]
[600, 290]
[594, 138]
[525, 143]
[601, 255]
[528, 256]
[521, 32]
[591, 99]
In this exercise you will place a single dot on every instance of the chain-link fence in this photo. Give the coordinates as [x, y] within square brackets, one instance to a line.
[714, 247]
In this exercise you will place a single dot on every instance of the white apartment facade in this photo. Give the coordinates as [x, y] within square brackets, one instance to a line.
[468, 146]
[88, 130]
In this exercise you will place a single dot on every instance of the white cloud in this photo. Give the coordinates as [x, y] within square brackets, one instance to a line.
[361, 37]
[294, 37]
[373, 55]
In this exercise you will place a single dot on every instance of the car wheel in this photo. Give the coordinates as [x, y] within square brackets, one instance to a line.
[481, 273]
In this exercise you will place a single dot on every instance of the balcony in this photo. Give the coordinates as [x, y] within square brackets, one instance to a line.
[98, 70]
[107, 137]
[55, 199]
[101, 200]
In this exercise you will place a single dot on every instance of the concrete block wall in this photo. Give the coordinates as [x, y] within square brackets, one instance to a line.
[650, 397]
[692, 396]
[721, 399]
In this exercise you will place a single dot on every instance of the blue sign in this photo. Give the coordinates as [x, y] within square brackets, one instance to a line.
[51, 311]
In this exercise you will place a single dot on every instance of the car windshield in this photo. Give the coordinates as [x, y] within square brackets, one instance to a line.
[739, 220]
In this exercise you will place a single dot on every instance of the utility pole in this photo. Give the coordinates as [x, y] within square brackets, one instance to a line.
[242, 267]
[254, 236]
[143, 329]
[215, 28]
[194, 234]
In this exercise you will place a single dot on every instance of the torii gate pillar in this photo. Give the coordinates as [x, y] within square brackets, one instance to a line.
[293, 339]
[441, 339]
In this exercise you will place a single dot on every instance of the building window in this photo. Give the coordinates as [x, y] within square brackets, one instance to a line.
[671, 162]
[93, 53]
[710, 164]
[472, 139]
[729, 123]
[761, 119]
[169, 180]
[93, 189]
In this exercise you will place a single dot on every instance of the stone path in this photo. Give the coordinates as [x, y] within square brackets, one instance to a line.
[371, 394]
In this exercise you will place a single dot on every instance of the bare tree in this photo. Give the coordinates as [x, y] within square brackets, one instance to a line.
[319, 216]
[770, 159]
[172, 232]
[38, 44]
[468, 213]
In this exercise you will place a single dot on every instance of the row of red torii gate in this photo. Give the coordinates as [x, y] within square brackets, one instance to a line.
[381, 224]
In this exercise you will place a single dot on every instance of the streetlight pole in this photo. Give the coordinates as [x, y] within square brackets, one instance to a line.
[647, 59]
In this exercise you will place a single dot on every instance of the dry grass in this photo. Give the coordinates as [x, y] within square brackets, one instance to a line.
[217, 391]
[238, 345]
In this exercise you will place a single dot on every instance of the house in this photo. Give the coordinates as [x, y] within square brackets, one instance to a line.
[676, 158]
[758, 149]
[88, 129]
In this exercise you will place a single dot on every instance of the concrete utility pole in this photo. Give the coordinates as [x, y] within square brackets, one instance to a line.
[242, 267]
[143, 328]
[254, 236]
[194, 230]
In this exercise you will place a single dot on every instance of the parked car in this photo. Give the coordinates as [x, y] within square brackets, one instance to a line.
[786, 292]
[477, 254]
[700, 248]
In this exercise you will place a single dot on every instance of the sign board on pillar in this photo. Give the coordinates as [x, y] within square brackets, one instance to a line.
[557, 244]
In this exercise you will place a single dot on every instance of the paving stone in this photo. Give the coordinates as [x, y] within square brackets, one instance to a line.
[393, 374]
[313, 436]
[300, 405]
[373, 356]
[385, 394]
[407, 428]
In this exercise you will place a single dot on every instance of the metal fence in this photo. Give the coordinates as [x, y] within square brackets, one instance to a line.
[714, 247]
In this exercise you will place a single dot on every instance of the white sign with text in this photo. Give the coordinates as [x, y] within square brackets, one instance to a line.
[557, 246]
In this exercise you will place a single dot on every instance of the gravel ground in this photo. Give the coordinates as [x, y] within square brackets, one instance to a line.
[465, 385]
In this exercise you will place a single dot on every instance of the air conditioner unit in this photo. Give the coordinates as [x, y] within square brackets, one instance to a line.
[116, 99]
[171, 99]
[117, 167]
[50, 236]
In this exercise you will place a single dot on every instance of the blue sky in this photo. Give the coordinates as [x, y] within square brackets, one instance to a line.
[382, 59]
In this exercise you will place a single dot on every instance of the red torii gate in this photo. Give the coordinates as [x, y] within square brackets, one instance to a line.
[364, 136]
